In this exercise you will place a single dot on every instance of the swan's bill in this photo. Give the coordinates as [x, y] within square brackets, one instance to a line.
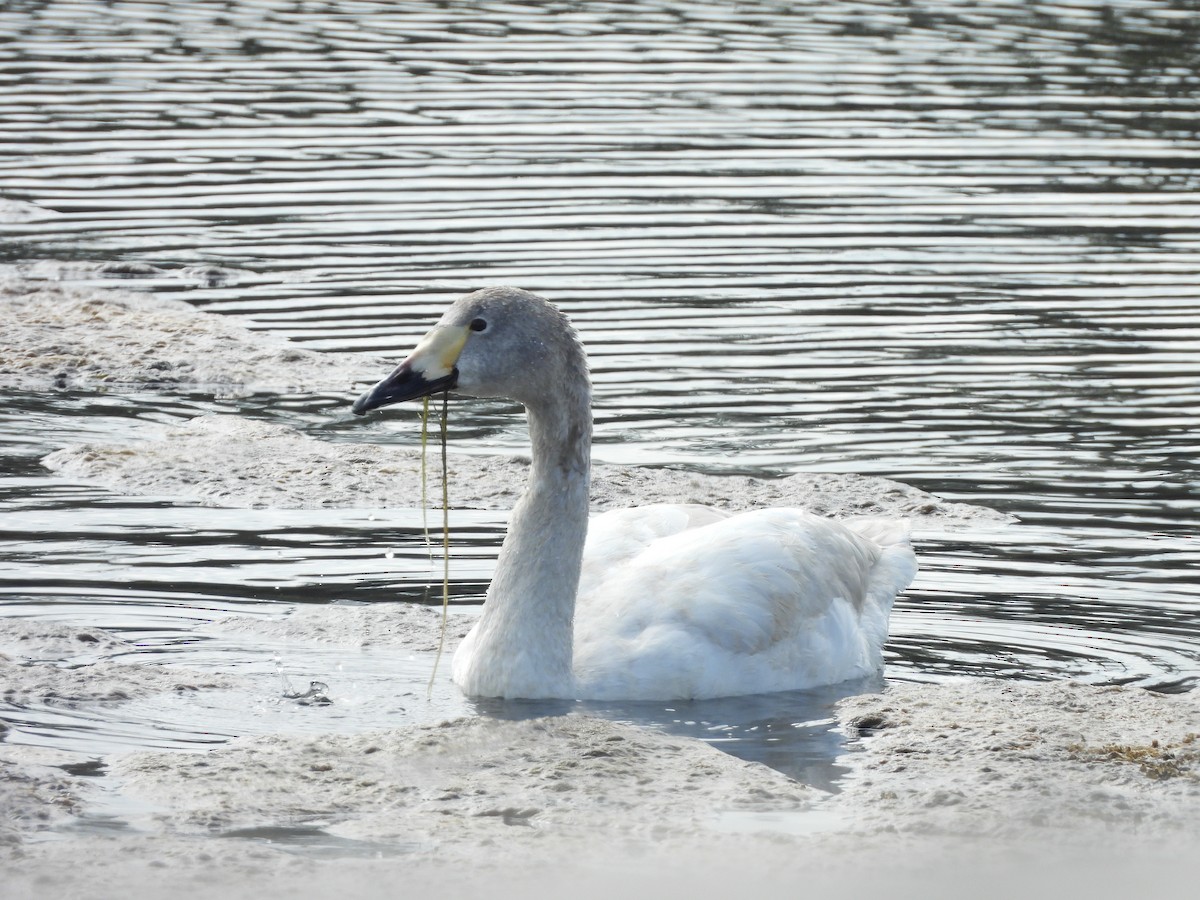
[428, 370]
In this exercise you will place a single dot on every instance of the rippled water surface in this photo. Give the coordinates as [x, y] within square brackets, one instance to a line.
[952, 243]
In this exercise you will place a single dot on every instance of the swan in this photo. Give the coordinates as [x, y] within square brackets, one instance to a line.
[661, 602]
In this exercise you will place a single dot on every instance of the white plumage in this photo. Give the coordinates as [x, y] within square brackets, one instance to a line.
[656, 602]
[702, 603]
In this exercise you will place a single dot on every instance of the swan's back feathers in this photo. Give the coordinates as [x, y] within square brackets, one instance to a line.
[727, 604]
[618, 536]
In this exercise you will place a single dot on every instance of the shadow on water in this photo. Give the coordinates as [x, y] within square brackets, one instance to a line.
[794, 732]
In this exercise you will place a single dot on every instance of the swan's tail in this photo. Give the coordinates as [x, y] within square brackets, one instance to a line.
[893, 571]
[884, 532]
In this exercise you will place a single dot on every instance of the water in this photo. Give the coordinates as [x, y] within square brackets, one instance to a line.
[956, 244]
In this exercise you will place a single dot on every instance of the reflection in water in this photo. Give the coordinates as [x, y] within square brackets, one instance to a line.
[952, 243]
[792, 731]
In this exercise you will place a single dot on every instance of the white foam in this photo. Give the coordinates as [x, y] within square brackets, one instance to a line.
[232, 461]
[58, 335]
[1040, 786]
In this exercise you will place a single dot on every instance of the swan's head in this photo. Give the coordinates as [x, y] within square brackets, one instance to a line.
[498, 342]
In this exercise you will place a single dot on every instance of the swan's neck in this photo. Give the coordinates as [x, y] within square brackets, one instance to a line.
[522, 646]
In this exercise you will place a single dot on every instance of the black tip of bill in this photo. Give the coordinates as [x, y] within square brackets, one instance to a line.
[403, 384]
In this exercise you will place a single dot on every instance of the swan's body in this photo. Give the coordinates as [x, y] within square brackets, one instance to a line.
[657, 602]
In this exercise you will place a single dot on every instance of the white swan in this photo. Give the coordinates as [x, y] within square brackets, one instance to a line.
[658, 602]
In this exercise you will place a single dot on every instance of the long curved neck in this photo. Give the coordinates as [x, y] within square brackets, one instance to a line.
[523, 647]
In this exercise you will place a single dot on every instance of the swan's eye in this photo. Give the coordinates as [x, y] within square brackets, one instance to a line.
[479, 325]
